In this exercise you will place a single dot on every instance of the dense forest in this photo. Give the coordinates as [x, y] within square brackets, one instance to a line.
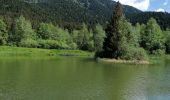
[49, 36]
[163, 18]
[70, 14]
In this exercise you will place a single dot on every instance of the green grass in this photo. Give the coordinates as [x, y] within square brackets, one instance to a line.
[8, 51]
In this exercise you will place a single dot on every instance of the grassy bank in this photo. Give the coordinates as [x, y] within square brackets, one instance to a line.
[7, 51]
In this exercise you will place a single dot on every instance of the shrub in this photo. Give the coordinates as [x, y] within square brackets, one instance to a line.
[135, 54]
[52, 44]
[29, 43]
[73, 45]
[47, 44]
[167, 43]
[3, 32]
[158, 52]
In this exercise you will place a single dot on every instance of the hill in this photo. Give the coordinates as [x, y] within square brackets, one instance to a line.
[63, 12]
[163, 18]
[71, 13]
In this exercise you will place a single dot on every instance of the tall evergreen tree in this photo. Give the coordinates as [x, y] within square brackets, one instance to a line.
[115, 39]
[121, 41]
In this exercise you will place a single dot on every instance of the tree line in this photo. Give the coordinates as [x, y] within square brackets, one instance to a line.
[49, 36]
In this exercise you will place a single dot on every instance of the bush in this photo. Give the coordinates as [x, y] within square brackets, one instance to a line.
[167, 43]
[133, 53]
[2, 41]
[158, 52]
[29, 43]
[73, 45]
[47, 44]
[52, 44]
[3, 32]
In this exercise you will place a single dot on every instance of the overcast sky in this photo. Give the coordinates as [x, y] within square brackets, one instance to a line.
[148, 5]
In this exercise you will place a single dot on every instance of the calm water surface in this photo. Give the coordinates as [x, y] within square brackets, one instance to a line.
[74, 78]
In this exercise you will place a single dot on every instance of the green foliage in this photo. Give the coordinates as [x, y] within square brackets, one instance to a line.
[131, 35]
[159, 52]
[167, 43]
[3, 32]
[50, 32]
[115, 39]
[30, 43]
[52, 44]
[54, 37]
[84, 38]
[48, 36]
[153, 39]
[74, 36]
[162, 18]
[22, 31]
[133, 53]
[46, 31]
[99, 35]
[137, 34]
[60, 12]
[120, 36]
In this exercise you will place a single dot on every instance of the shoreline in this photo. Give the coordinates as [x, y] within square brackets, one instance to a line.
[123, 61]
[10, 51]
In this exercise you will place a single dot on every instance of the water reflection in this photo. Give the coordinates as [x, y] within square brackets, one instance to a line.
[68, 78]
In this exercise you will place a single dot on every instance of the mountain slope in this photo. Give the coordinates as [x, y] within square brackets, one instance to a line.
[71, 13]
[63, 12]
[162, 18]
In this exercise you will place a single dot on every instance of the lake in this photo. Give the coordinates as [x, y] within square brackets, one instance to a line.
[78, 78]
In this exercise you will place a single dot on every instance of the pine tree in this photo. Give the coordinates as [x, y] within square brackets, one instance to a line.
[115, 39]
[121, 41]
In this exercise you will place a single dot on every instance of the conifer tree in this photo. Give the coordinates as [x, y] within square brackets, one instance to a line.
[121, 40]
[115, 39]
